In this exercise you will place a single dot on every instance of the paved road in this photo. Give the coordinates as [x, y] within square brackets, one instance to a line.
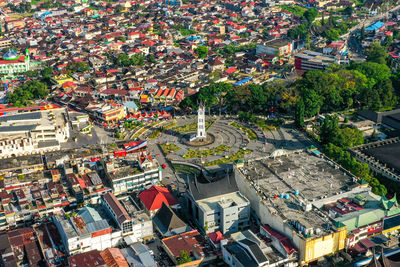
[99, 136]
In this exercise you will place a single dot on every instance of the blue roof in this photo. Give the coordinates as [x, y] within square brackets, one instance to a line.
[10, 55]
[245, 80]
[130, 105]
[316, 152]
[376, 26]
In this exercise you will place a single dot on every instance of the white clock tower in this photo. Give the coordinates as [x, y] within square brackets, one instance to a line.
[201, 123]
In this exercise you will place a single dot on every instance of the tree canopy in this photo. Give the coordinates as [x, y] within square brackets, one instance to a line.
[377, 53]
[310, 15]
[75, 67]
[123, 60]
[201, 51]
[23, 95]
[184, 257]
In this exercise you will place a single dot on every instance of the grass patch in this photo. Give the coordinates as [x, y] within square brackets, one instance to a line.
[158, 131]
[238, 155]
[294, 9]
[205, 153]
[170, 125]
[186, 169]
[191, 127]
[169, 148]
[155, 134]
[250, 134]
[142, 130]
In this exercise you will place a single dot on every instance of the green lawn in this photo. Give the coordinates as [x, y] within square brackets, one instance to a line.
[250, 134]
[294, 9]
[170, 148]
[238, 155]
[205, 153]
[191, 127]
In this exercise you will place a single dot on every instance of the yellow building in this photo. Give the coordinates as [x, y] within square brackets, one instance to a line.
[315, 248]
[61, 79]
[111, 112]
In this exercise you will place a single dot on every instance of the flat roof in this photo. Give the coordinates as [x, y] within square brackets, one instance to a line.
[310, 176]
[21, 117]
[212, 203]
[20, 162]
[387, 153]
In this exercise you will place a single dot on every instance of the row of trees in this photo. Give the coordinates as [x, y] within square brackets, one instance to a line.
[336, 140]
[365, 85]
[362, 85]
[252, 98]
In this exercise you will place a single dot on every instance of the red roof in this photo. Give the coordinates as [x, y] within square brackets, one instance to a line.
[21, 59]
[153, 197]
[216, 237]
[284, 240]
[191, 242]
[231, 70]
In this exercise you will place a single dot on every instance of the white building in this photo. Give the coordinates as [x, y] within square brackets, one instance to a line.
[136, 228]
[86, 231]
[12, 63]
[33, 132]
[130, 174]
[245, 249]
[216, 204]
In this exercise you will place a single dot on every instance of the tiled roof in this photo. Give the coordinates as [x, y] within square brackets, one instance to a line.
[153, 197]
[120, 212]
[114, 258]
[88, 259]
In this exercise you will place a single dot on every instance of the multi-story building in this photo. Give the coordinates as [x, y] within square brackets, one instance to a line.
[382, 156]
[277, 47]
[216, 204]
[33, 132]
[311, 60]
[126, 174]
[30, 196]
[12, 63]
[110, 112]
[86, 231]
[137, 230]
[280, 194]
[365, 215]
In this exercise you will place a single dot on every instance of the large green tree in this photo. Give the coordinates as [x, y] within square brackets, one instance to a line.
[376, 53]
[201, 51]
[348, 137]
[23, 95]
[329, 128]
[310, 15]
[299, 113]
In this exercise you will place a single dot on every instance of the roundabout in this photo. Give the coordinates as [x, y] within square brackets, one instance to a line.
[209, 139]
[223, 144]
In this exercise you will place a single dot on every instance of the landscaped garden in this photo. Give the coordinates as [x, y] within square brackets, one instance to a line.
[205, 153]
[238, 155]
[154, 134]
[191, 127]
[250, 134]
[169, 148]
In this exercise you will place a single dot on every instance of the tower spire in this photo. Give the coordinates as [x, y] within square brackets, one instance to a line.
[201, 123]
